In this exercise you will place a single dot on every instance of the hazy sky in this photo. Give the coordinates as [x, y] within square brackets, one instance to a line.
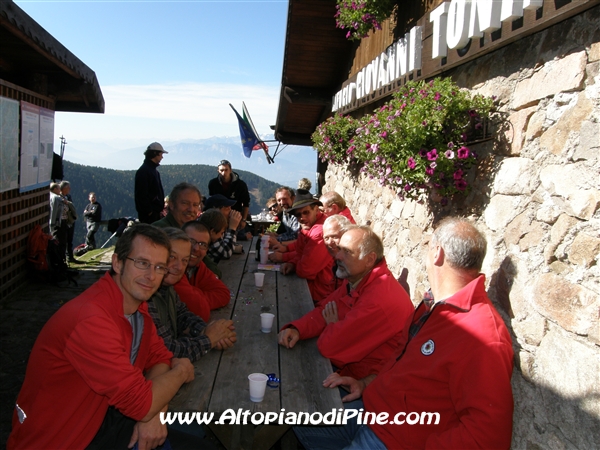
[169, 69]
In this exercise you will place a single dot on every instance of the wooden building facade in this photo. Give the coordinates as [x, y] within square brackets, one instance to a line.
[37, 69]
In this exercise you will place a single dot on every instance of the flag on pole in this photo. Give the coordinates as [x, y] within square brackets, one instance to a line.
[248, 134]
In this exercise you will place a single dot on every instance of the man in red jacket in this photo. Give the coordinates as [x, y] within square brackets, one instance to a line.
[202, 291]
[98, 375]
[448, 383]
[360, 324]
[308, 255]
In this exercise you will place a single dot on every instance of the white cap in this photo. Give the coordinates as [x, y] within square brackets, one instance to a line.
[156, 147]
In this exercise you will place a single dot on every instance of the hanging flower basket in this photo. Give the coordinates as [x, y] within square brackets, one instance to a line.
[415, 143]
[359, 17]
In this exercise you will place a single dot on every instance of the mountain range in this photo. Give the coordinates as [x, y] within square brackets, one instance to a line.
[291, 163]
[114, 190]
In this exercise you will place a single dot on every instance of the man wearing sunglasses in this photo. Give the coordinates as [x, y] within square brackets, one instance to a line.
[98, 375]
[308, 255]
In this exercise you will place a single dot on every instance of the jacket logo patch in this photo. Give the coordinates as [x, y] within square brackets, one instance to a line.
[428, 347]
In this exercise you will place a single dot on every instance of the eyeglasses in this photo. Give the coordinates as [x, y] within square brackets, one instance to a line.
[195, 243]
[145, 265]
[224, 162]
[272, 207]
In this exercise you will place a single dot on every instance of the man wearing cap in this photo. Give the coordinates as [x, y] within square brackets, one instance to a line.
[308, 255]
[184, 205]
[229, 184]
[149, 193]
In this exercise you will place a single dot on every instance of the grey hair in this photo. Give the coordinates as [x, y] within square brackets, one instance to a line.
[63, 184]
[176, 234]
[464, 245]
[370, 242]
[342, 222]
[179, 188]
[334, 198]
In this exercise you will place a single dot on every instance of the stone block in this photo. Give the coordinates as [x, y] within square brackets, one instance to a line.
[574, 183]
[531, 330]
[535, 127]
[534, 235]
[585, 250]
[501, 210]
[516, 176]
[516, 133]
[409, 209]
[569, 367]
[573, 307]
[560, 75]
[594, 53]
[517, 228]
[554, 139]
[396, 208]
[589, 141]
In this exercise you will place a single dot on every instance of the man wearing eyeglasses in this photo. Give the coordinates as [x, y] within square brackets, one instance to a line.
[308, 256]
[185, 334]
[229, 184]
[184, 205]
[98, 375]
[200, 290]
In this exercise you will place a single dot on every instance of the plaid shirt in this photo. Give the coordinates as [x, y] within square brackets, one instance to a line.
[222, 248]
[183, 345]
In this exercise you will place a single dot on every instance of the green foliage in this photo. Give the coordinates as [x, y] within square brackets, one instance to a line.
[115, 192]
[415, 143]
[361, 16]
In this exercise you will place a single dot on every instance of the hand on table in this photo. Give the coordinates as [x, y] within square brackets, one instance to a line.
[226, 343]
[288, 268]
[276, 257]
[330, 313]
[356, 387]
[289, 337]
[149, 434]
[218, 330]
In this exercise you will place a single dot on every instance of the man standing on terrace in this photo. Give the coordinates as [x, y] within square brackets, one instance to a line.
[229, 184]
[149, 194]
[308, 255]
[98, 375]
[452, 368]
[360, 324]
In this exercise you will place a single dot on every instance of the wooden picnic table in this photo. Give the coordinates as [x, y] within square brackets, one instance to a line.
[221, 381]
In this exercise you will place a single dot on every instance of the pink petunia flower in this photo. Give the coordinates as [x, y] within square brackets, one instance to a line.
[463, 153]
[411, 163]
[461, 185]
[432, 155]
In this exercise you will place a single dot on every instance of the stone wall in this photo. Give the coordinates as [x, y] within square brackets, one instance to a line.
[536, 198]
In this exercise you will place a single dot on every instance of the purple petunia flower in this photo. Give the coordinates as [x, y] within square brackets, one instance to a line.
[423, 152]
[463, 153]
[384, 135]
[461, 185]
[449, 154]
[411, 163]
[437, 96]
[429, 171]
[458, 174]
[432, 155]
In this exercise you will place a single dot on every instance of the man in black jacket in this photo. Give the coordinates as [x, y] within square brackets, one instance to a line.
[93, 216]
[229, 184]
[149, 194]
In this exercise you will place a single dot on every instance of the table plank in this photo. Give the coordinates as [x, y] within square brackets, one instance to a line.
[195, 396]
[303, 368]
[254, 352]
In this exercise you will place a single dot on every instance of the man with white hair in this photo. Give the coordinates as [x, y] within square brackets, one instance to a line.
[454, 364]
[333, 229]
[360, 324]
[334, 203]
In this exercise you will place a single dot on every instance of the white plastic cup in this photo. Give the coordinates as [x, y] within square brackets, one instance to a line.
[266, 322]
[258, 384]
[264, 250]
[259, 279]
